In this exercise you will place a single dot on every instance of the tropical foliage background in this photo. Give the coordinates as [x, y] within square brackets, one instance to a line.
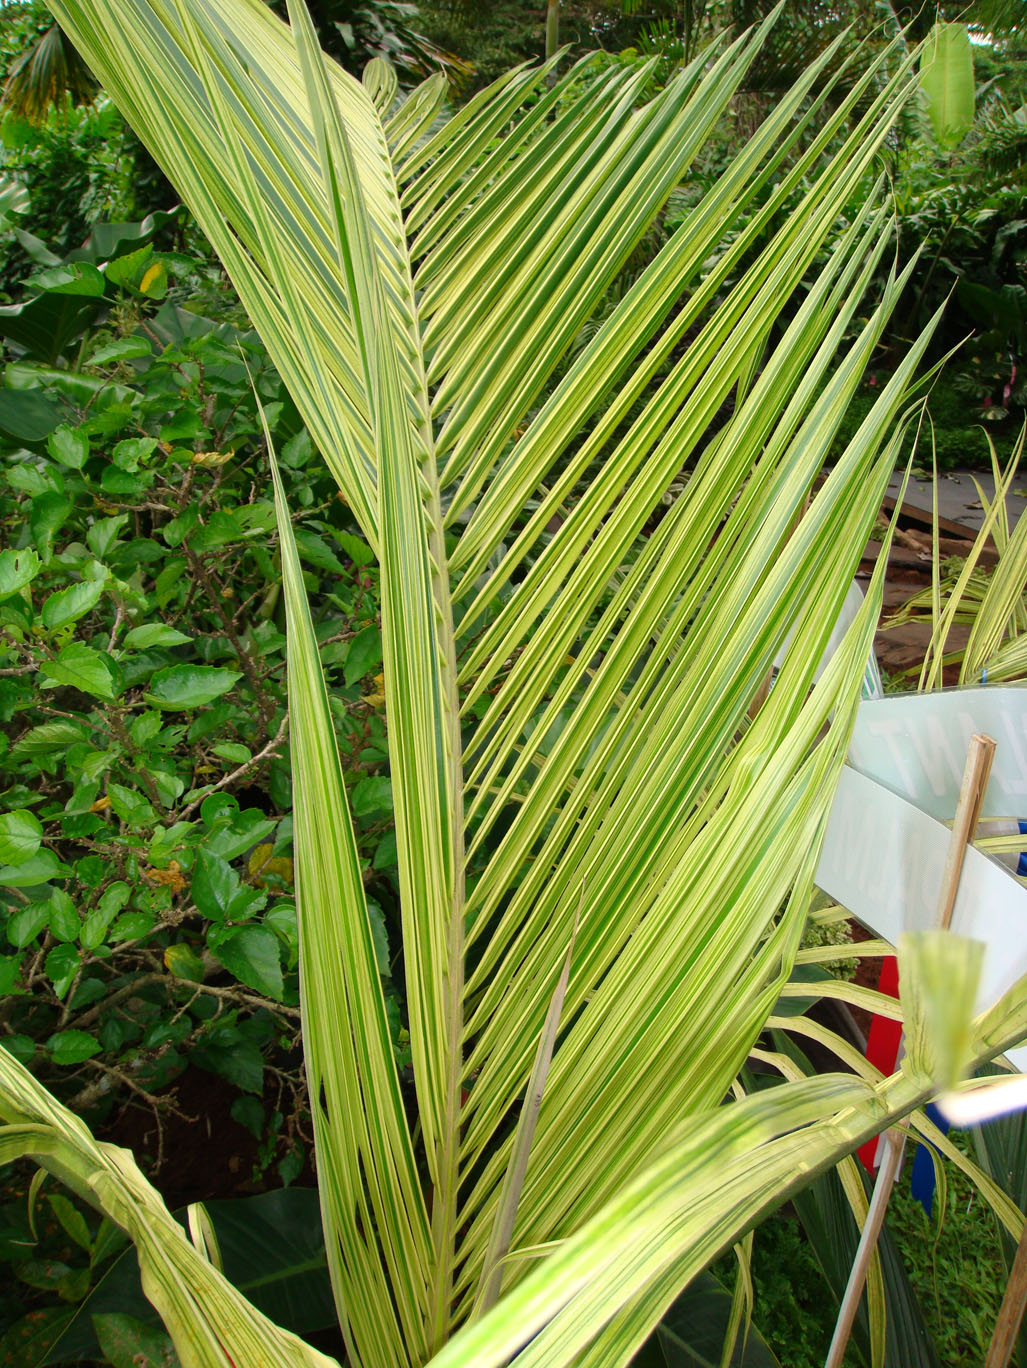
[583, 394]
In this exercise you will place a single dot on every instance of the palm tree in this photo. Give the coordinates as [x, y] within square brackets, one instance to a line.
[606, 848]
[47, 74]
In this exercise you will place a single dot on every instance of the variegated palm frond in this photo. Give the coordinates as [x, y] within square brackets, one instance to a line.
[570, 663]
[990, 600]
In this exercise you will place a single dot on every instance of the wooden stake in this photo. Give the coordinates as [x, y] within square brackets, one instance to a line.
[1010, 1313]
[895, 1143]
[979, 756]
[980, 753]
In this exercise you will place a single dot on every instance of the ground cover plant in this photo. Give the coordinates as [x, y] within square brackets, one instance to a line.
[148, 896]
[605, 850]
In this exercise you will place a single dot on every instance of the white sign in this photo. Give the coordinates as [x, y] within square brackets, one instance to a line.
[883, 860]
[915, 745]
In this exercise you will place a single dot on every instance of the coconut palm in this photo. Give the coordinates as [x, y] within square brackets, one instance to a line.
[605, 847]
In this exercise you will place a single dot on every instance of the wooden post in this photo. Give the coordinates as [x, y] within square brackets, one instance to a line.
[968, 810]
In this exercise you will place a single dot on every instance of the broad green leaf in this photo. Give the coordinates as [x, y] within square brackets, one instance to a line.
[124, 349]
[233, 751]
[62, 966]
[14, 201]
[249, 1112]
[82, 668]
[273, 1252]
[72, 1047]
[103, 534]
[128, 1343]
[314, 550]
[27, 415]
[358, 551]
[947, 81]
[184, 962]
[213, 885]
[251, 955]
[47, 514]
[24, 925]
[21, 834]
[65, 923]
[71, 1219]
[49, 737]
[10, 967]
[70, 446]
[154, 634]
[69, 297]
[131, 926]
[68, 605]
[24, 1342]
[39, 868]
[239, 1061]
[691, 1334]
[132, 452]
[180, 687]
[372, 797]
[364, 654]
[17, 568]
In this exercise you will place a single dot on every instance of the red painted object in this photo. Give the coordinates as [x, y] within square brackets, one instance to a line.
[883, 1047]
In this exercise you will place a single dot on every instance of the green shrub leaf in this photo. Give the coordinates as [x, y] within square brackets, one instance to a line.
[154, 634]
[214, 884]
[71, 1219]
[82, 668]
[129, 1343]
[125, 349]
[251, 954]
[25, 925]
[190, 686]
[372, 797]
[61, 967]
[44, 865]
[69, 445]
[17, 568]
[184, 962]
[68, 605]
[65, 923]
[72, 1047]
[365, 652]
[21, 833]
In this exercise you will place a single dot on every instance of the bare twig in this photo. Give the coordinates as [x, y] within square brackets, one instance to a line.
[269, 750]
[264, 702]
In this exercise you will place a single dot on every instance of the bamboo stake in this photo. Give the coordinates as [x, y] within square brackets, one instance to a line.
[895, 1143]
[1010, 1313]
[980, 753]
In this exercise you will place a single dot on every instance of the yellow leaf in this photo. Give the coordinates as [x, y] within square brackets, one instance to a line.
[170, 878]
[183, 962]
[212, 458]
[263, 864]
[376, 698]
[155, 275]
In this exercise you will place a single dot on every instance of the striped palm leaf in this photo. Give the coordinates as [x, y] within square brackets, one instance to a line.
[605, 849]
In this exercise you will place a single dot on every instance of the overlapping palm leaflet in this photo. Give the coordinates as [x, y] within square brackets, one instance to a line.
[570, 664]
